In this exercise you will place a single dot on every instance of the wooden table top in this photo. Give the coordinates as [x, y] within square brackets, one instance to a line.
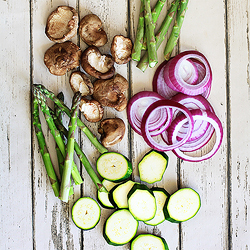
[33, 218]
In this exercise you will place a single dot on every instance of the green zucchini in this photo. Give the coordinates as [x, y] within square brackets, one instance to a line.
[141, 202]
[148, 242]
[118, 195]
[103, 197]
[86, 213]
[161, 196]
[114, 167]
[182, 205]
[120, 228]
[152, 166]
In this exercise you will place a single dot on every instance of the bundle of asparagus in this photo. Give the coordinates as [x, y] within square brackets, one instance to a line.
[146, 37]
[65, 142]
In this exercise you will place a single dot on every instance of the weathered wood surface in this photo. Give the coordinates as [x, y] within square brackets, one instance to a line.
[32, 218]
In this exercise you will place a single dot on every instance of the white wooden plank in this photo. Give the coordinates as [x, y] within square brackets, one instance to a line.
[15, 127]
[204, 30]
[53, 226]
[239, 86]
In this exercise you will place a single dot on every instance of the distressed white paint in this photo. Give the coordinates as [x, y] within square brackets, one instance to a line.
[32, 218]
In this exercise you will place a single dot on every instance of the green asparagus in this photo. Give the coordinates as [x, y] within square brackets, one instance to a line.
[64, 108]
[136, 53]
[161, 34]
[68, 162]
[82, 157]
[43, 148]
[172, 41]
[56, 134]
[151, 43]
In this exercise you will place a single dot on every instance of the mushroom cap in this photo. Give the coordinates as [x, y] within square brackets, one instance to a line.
[110, 92]
[91, 109]
[62, 57]
[80, 82]
[112, 131]
[91, 31]
[97, 65]
[62, 24]
[121, 49]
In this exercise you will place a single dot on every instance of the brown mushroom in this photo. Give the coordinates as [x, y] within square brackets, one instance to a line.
[80, 82]
[91, 31]
[91, 109]
[62, 57]
[97, 65]
[121, 49]
[110, 92]
[62, 24]
[112, 131]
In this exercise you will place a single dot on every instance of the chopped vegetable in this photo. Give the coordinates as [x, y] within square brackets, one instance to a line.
[119, 194]
[141, 202]
[103, 197]
[120, 228]
[161, 196]
[152, 166]
[114, 167]
[148, 242]
[86, 213]
[182, 205]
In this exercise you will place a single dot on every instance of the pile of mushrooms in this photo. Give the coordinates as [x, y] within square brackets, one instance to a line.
[108, 88]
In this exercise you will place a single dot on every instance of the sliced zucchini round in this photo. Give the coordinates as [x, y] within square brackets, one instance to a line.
[148, 242]
[103, 197]
[86, 213]
[152, 166]
[120, 228]
[114, 167]
[141, 202]
[182, 205]
[119, 194]
[161, 195]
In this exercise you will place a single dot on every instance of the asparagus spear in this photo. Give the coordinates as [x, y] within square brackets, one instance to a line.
[43, 149]
[136, 53]
[172, 41]
[65, 109]
[161, 34]
[155, 14]
[151, 43]
[68, 163]
[82, 157]
[56, 134]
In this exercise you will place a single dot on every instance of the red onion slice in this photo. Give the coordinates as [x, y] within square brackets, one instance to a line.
[136, 108]
[215, 122]
[174, 79]
[165, 104]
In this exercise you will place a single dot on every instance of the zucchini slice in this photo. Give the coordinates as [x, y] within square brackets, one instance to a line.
[114, 167]
[103, 197]
[148, 242]
[119, 194]
[141, 202]
[182, 205]
[161, 195]
[86, 213]
[120, 228]
[152, 166]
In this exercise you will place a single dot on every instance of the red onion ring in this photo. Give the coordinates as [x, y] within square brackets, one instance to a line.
[174, 80]
[165, 104]
[215, 122]
[136, 108]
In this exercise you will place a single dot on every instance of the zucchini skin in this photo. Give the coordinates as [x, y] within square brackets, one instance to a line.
[167, 215]
[163, 154]
[129, 170]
